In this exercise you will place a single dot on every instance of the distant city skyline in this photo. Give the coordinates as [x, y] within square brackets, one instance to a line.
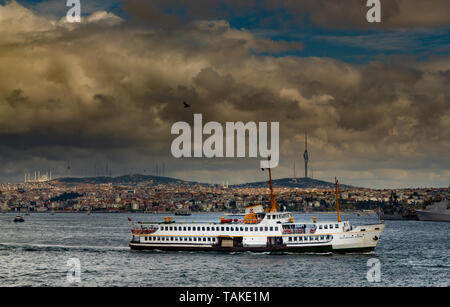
[103, 94]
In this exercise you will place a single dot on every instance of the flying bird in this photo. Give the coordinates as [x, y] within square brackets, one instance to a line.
[186, 105]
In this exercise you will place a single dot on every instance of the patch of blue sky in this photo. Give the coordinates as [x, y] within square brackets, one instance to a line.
[354, 46]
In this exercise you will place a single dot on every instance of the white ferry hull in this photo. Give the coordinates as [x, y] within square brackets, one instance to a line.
[361, 239]
[256, 249]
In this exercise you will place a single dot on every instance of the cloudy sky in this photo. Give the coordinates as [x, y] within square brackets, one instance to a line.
[374, 98]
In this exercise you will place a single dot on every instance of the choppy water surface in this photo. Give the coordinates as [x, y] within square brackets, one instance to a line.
[35, 253]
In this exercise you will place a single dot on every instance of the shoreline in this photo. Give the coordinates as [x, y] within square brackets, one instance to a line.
[173, 213]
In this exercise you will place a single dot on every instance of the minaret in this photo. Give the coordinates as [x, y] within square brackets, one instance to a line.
[305, 155]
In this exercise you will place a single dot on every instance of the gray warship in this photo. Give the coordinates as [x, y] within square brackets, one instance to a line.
[396, 211]
[437, 212]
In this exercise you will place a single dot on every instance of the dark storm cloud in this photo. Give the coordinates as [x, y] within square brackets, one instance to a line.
[107, 89]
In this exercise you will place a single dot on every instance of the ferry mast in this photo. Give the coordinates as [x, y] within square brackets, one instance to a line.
[273, 202]
[337, 199]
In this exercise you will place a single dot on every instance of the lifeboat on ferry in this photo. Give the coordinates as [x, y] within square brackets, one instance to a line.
[226, 221]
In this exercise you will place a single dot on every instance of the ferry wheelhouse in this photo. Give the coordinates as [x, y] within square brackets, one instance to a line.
[261, 230]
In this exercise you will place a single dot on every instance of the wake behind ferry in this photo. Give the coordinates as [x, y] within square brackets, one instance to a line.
[261, 230]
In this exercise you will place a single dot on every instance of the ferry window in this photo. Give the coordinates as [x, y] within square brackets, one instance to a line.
[261, 228]
[300, 238]
[317, 238]
[231, 228]
[176, 238]
[295, 238]
[271, 228]
[320, 226]
[290, 238]
[276, 228]
[321, 237]
[246, 228]
[242, 228]
[207, 228]
[266, 228]
[336, 226]
[184, 228]
[251, 228]
[204, 239]
[195, 239]
[326, 227]
[170, 228]
[159, 239]
[175, 228]
[190, 239]
[203, 228]
[331, 226]
[189, 228]
[227, 228]
[223, 228]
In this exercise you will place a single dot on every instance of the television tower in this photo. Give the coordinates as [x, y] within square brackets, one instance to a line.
[305, 155]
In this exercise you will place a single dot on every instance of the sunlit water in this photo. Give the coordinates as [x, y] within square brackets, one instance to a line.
[35, 253]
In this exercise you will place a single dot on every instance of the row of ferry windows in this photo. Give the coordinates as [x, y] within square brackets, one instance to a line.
[195, 239]
[309, 238]
[222, 228]
[278, 216]
[331, 226]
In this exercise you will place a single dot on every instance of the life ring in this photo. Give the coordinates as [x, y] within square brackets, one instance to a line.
[312, 230]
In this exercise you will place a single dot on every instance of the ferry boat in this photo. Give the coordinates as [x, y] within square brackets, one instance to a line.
[261, 230]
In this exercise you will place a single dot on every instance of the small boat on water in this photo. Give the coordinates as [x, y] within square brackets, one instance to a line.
[235, 213]
[261, 230]
[18, 219]
[182, 213]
